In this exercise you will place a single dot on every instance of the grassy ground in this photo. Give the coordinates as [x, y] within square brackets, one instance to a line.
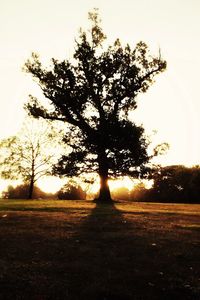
[80, 250]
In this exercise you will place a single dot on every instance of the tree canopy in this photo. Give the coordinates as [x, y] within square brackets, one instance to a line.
[93, 94]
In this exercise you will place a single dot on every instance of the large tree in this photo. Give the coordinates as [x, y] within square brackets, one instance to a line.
[93, 93]
[28, 155]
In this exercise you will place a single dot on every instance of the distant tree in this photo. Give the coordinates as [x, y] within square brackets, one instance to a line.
[71, 191]
[93, 94]
[176, 184]
[21, 191]
[139, 192]
[10, 194]
[29, 155]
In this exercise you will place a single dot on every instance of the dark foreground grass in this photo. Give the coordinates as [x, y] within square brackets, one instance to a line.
[80, 250]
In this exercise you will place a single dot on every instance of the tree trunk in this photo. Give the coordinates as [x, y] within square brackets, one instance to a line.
[104, 192]
[32, 179]
[31, 187]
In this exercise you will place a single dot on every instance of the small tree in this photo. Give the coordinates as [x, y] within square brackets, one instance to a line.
[139, 192]
[93, 95]
[71, 191]
[28, 156]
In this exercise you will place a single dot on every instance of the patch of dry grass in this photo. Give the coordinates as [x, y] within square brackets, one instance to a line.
[80, 250]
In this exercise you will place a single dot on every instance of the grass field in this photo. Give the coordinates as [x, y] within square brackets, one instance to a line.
[81, 250]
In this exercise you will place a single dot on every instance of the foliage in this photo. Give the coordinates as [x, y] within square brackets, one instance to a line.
[177, 184]
[71, 191]
[93, 94]
[172, 184]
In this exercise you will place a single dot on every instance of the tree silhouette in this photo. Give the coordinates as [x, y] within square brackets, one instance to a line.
[139, 192]
[27, 156]
[71, 191]
[176, 183]
[93, 94]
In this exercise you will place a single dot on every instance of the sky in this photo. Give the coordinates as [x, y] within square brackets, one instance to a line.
[171, 107]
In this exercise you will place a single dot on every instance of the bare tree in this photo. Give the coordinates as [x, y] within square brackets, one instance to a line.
[29, 155]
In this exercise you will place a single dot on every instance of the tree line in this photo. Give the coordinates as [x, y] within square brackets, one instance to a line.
[171, 184]
[70, 191]
[176, 184]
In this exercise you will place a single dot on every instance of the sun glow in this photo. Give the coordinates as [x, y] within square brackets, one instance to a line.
[114, 184]
[51, 184]
[124, 182]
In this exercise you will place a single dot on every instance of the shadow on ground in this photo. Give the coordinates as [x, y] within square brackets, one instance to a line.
[102, 257]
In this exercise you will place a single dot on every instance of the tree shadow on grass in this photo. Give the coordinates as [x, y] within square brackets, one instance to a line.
[101, 248]
[104, 257]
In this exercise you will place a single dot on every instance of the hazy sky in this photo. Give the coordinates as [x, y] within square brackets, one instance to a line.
[49, 27]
